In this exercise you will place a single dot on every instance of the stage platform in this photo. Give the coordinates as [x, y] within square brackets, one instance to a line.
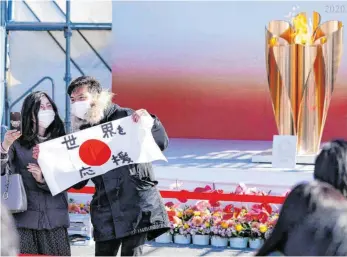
[223, 164]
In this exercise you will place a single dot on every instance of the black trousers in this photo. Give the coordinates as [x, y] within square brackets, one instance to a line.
[131, 246]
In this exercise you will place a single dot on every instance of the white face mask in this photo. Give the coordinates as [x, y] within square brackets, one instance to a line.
[45, 117]
[80, 108]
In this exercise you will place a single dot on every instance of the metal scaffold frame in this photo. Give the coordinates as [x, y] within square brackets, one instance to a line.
[10, 25]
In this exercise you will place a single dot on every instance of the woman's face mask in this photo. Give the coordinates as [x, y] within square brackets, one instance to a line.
[45, 117]
[80, 108]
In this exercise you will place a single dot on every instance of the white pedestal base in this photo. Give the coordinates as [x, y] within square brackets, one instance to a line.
[266, 157]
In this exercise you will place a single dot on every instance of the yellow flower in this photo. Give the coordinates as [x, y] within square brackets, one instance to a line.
[224, 224]
[82, 205]
[207, 225]
[188, 212]
[262, 228]
[179, 214]
[217, 214]
[197, 213]
[185, 226]
[238, 227]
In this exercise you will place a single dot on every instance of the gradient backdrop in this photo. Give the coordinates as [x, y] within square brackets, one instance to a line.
[200, 66]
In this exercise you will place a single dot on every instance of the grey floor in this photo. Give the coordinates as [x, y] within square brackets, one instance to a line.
[155, 249]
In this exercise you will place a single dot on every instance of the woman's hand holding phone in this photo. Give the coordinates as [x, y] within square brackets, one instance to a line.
[10, 137]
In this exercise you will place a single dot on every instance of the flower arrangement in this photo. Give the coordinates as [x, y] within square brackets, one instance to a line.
[179, 220]
[199, 218]
[78, 208]
[271, 224]
[222, 224]
[222, 228]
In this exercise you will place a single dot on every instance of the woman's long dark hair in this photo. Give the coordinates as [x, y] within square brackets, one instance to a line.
[29, 127]
[331, 165]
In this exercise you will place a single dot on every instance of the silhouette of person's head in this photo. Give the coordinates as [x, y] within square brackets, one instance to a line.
[331, 165]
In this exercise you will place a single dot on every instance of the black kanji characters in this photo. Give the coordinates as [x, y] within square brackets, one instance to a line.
[121, 157]
[86, 171]
[70, 142]
[107, 129]
[115, 159]
[121, 131]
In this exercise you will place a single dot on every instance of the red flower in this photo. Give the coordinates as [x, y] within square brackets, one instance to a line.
[228, 208]
[267, 208]
[169, 204]
[202, 189]
[236, 212]
[171, 214]
[214, 203]
[263, 217]
[227, 216]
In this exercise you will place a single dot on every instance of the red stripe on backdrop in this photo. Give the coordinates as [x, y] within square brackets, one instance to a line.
[204, 196]
[210, 108]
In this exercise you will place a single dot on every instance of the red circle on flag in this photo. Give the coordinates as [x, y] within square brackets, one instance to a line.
[94, 152]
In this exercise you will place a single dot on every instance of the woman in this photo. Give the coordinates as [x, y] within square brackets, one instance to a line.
[312, 222]
[331, 165]
[43, 227]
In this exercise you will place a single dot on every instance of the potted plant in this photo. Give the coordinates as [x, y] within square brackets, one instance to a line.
[220, 233]
[257, 234]
[200, 230]
[271, 224]
[239, 236]
[166, 238]
[259, 218]
[179, 229]
[182, 234]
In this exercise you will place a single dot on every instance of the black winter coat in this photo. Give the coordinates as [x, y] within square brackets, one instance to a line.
[44, 210]
[126, 201]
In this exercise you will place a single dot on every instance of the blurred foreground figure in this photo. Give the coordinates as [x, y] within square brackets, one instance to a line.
[331, 165]
[312, 222]
[9, 237]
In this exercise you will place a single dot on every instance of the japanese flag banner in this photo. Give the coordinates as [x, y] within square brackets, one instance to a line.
[73, 158]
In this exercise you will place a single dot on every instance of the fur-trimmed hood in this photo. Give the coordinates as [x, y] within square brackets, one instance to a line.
[96, 113]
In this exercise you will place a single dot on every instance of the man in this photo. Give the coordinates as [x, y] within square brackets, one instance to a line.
[126, 208]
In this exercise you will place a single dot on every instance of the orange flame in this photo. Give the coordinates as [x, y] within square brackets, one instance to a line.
[302, 31]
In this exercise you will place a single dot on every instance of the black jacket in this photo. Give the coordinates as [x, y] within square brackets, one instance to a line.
[44, 210]
[126, 200]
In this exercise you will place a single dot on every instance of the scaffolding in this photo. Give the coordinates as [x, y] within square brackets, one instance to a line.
[9, 25]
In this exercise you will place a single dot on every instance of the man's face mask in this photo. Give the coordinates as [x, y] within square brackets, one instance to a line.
[45, 117]
[80, 108]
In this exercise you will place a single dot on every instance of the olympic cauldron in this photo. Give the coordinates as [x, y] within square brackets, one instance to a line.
[302, 61]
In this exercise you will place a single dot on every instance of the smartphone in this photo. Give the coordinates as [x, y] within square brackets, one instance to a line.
[15, 120]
